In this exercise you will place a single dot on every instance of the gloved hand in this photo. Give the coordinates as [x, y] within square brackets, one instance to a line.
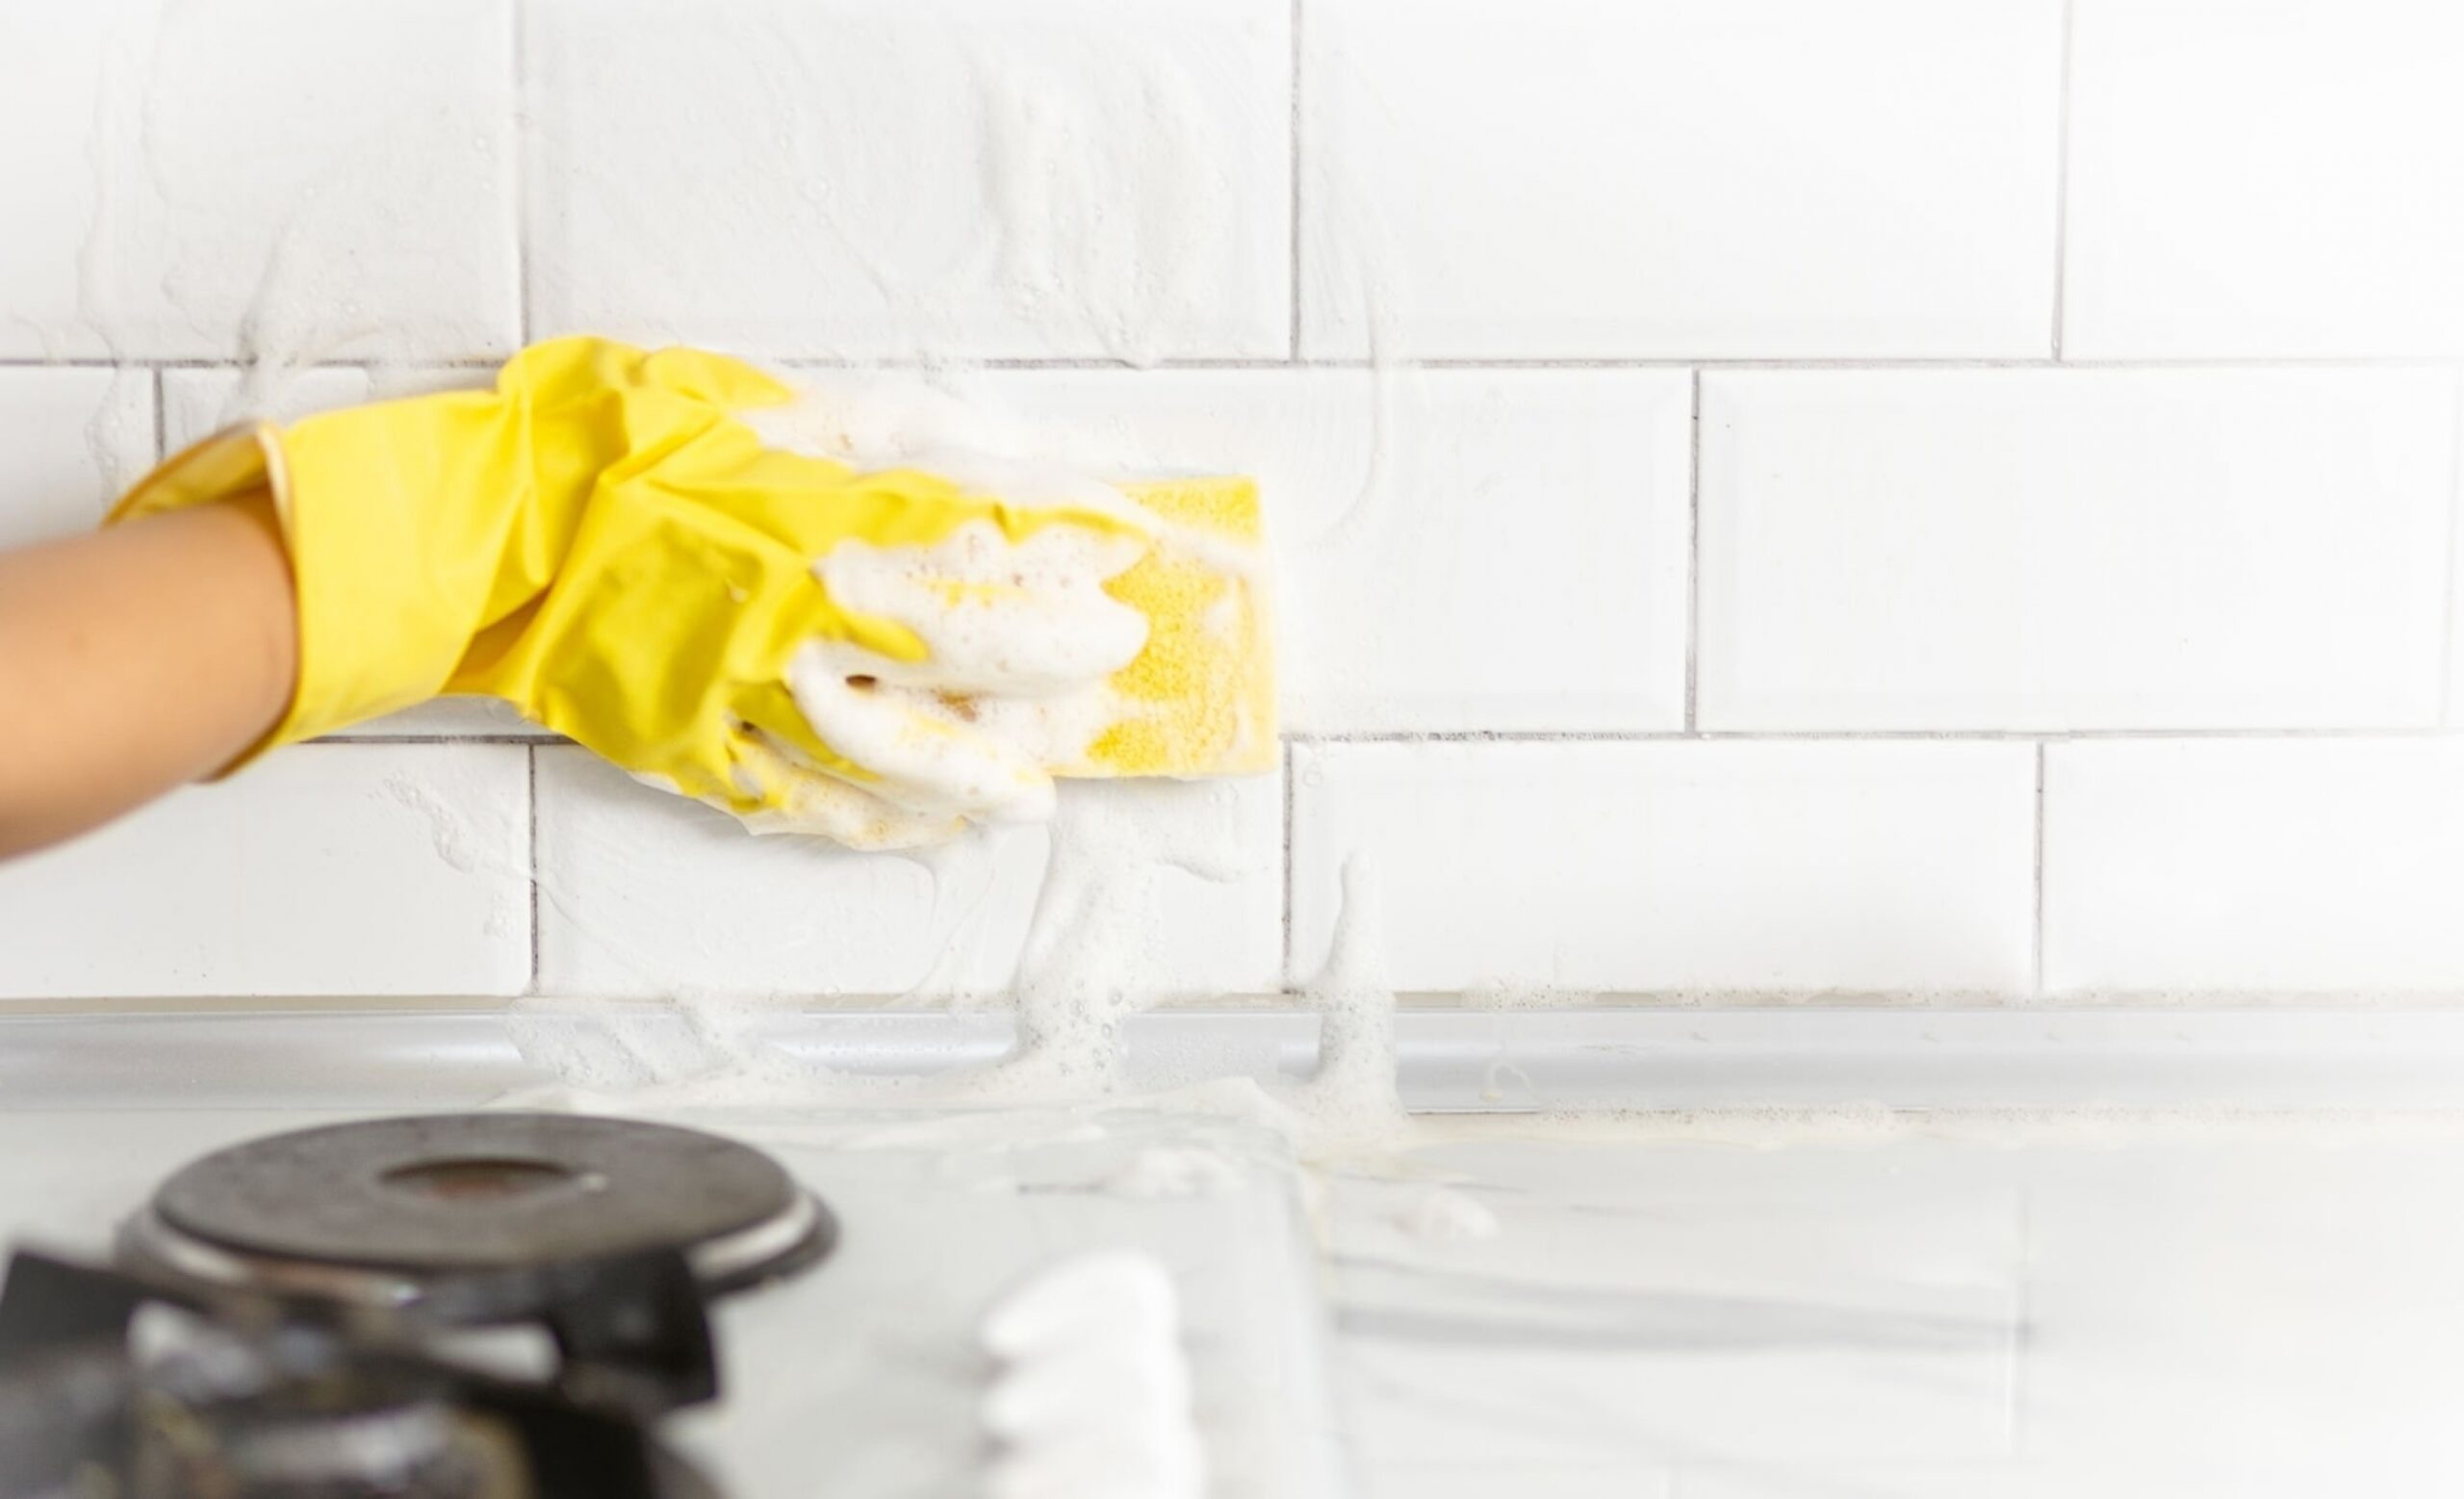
[604, 542]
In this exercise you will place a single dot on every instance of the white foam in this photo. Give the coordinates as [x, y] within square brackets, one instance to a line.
[1090, 1396]
[1026, 618]
[1177, 1170]
[924, 756]
[1445, 1214]
[1351, 1102]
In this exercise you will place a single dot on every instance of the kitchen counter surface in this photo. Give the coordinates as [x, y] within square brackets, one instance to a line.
[1861, 1310]
[1722, 1306]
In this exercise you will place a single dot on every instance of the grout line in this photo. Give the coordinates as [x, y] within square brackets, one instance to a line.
[532, 740]
[2036, 926]
[1855, 736]
[1291, 799]
[519, 170]
[1294, 169]
[162, 424]
[532, 987]
[1694, 556]
[2062, 177]
[455, 362]
[1695, 363]
[1651, 736]
[1698, 363]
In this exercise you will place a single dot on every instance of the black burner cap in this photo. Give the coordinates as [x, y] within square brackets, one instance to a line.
[374, 1210]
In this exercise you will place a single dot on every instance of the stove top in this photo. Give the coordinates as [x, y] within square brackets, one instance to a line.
[494, 1305]
[864, 1378]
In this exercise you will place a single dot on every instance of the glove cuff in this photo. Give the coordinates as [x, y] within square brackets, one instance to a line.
[237, 460]
[354, 662]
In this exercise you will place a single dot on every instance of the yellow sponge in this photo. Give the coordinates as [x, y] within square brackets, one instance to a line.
[1199, 700]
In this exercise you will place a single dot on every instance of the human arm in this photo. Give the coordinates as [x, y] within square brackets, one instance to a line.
[136, 659]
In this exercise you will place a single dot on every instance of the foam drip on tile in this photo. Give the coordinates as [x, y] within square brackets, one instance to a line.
[1095, 954]
[1094, 950]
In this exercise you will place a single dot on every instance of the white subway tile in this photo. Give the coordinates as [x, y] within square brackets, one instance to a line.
[2289, 865]
[2014, 549]
[197, 404]
[1497, 550]
[324, 869]
[648, 895]
[74, 438]
[901, 177]
[1696, 179]
[1700, 866]
[284, 176]
[2283, 177]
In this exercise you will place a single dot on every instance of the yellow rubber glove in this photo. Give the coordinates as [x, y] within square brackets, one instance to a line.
[606, 543]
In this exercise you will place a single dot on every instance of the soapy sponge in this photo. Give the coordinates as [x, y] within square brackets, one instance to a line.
[1199, 700]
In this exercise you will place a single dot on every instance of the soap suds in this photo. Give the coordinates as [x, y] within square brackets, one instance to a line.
[926, 756]
[1055, 157]
[1089, 1393]
[473, 835]
[1027, 617]
[1442, 1213]
[1095, 950]
[119, 436]
[1020, 636]
[1352, 1102]
[1177, 1170]
[886, 420]
[449, 828]
[1022, 639]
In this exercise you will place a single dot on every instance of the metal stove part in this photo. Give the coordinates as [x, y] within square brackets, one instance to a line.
[609, 1234]
[297, 1317]
[241, 1405]
[375, 1211]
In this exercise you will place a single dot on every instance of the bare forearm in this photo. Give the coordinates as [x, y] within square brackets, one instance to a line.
[135, 659]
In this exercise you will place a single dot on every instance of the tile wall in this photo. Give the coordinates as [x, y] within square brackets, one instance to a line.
[1906, 499]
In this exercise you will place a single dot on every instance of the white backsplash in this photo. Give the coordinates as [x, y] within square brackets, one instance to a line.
[1933, 499]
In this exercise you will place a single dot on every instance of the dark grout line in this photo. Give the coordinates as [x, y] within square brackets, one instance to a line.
[1291, 799]
[533, 740]
[1693, 364]
[2035, 928]
[236, 362]
[1694, 555]
[1649, 737]
[532, 987]
[162, 425]
[1860, 736]
[1831, 364]
[2062, 177]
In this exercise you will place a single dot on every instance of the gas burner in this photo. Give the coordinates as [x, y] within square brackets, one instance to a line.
[313, 1315]
[472, 1219]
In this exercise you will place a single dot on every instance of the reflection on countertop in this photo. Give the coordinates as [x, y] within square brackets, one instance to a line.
[1861, 1309]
